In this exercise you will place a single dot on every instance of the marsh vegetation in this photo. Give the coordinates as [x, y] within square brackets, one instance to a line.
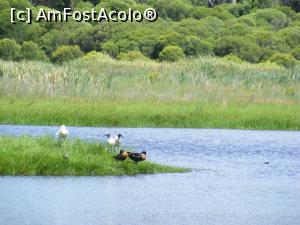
[100, 91]
[46, 156]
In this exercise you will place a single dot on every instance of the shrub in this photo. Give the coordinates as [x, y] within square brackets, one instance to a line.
[9, 49]
[266, 39]
[273, 17]
[200, 12]
[291, 35]
[233, 58]
[31, 51]
[175, 9]
[240, 9]
[131, 56]
[4, 4]
[95, 56]
[296, 53]
[66, 53]
[53, 39]
[194, 47]
[20, 4]
[242, 47]
[285, 60]
[110, 48]
[237, 29]
[171, 53]
[83, 37]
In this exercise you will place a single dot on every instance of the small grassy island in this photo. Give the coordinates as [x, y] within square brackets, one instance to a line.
[47, 156]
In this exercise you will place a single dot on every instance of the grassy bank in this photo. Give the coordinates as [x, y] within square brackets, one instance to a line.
[149, 114]
[45, 156]
[206, 92]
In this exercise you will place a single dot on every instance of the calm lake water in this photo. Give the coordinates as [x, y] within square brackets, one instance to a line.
[230, 183]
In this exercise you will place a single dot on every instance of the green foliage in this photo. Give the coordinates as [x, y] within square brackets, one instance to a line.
[53, 39]
[296, 53]
[239, 10]
[117, 5]
[262, 3]
[201, 12]
[194, 47]
[9, 49]
[243, 47]
[291, 35]
[95, 56]
[83, 37]
[66, 53]
[171, 53]
[196, 26]
[174, 9]
[4, 4]
[31, 51]
[57, 4]
[131, 56]
[273, 17]
[285, 60]
[110, 48]
[19, 4]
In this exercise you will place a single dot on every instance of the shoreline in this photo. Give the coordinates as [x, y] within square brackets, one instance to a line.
[54, 112]
[45, 156]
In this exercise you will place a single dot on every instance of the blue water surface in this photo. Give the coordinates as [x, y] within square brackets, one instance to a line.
[231, 184]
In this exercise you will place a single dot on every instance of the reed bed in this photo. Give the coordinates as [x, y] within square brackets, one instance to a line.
[100, 91]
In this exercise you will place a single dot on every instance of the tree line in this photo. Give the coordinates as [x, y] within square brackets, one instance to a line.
[245, 30]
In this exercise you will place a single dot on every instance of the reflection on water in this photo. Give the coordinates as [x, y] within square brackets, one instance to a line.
[230, 182]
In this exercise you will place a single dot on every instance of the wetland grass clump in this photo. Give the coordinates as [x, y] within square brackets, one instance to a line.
[46, 156]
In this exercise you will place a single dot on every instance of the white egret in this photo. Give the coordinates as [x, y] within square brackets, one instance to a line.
[62, 133]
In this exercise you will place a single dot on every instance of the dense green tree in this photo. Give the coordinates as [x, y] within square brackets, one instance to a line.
[19, 4]
[243, 47]
[4, 4]
[9, 49]
[174, 9]
[285, 60]
[239, 10]
[296, 53]
[31, 51]
[53, 39]
[195, 46]
[57, 4]
[169, 39]
[291, 35]
[131, 56]
[66, 53]
[117, 5]
[171, 53]
[84, 37]
[110, 48]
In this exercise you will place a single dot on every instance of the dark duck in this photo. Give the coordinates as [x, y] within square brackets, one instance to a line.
[137, 157]
[122, 155]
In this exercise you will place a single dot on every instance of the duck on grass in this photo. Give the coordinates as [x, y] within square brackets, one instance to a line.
[47, 156]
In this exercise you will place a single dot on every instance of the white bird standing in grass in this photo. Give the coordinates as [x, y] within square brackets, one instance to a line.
[114, 140]
[62, 133]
